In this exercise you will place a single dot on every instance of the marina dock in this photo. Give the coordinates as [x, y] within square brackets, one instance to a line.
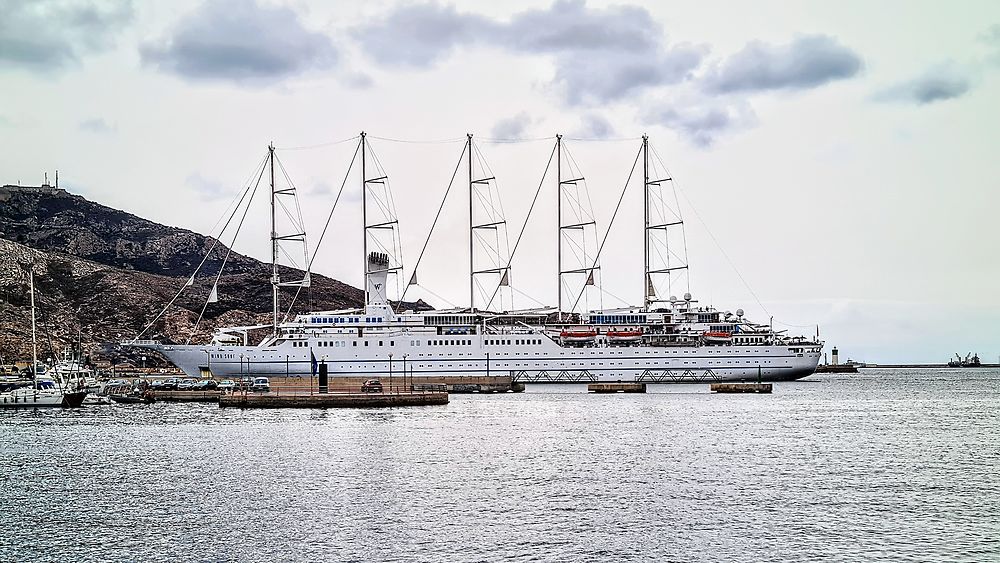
[188, 396]
[616, 388]
[333, 400]
[741, 388]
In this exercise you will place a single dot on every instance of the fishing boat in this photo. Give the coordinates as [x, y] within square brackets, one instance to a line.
[674, 339]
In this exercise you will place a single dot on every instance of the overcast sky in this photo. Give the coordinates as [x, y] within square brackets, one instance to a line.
[842, 155]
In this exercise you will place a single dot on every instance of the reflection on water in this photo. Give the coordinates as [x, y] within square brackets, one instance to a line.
[880, 466]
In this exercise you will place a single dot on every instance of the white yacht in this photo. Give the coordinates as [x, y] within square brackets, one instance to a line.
[664, 340]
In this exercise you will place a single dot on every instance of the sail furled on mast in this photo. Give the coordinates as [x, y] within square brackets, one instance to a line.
[489, 239]
[577, 252]
[382, 244]
[665, 242]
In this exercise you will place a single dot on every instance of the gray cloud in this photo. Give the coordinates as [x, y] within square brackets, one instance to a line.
[358, 80]
[206, 188]
[991, 37]
[512, 127]
[50, 35]
[942, 82]
[97, 125]
[602, 77]
[594, 126]
[421, 34]
[241, 41]
[601, 54]
[701, 123]
[806, 62]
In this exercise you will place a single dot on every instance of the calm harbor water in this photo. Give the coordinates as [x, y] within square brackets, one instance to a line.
[889, 465]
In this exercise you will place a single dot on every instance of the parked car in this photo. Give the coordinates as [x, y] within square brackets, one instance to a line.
[261, 385]
[170, 384]
[187, 385]
[371, 386]
[206, 385]
[227, 385]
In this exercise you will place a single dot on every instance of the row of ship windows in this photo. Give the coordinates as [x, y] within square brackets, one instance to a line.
[582, 364]
[488, 342]
[335, 320]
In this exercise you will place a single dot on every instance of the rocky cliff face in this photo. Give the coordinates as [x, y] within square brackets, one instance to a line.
[103, 274]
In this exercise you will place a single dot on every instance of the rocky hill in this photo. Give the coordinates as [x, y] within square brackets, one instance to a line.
[102, 274]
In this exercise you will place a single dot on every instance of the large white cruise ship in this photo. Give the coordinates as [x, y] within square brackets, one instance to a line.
[669, 340]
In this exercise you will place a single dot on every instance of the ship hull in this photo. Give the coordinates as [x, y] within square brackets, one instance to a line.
[543, 362]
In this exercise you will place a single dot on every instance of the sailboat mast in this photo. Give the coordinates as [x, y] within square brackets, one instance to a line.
[472, 264]
[34, 341]
[275, 277]
[559, 188]
[364, 218]
[646, 281]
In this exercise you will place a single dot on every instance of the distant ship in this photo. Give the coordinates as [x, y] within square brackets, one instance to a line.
[969, 361]
[663, 340]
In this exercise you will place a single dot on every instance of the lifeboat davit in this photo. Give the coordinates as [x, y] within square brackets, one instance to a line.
[578, 336]
[624, 336]
[717, 337]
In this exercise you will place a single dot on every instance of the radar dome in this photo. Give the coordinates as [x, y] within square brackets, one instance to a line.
[739, 312]
[687, 296]
[673, 298]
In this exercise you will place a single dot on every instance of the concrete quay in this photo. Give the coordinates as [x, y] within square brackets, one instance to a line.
[332, 400]
[616, 388]
[741, 388]
[187, 396]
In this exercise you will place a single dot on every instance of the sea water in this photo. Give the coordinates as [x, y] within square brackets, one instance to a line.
[884, 465]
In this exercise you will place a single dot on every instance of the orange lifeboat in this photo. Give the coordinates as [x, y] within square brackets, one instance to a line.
[717, 337]
[578, 336]
[627, 336]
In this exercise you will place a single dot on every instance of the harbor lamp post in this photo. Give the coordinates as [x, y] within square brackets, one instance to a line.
[390, 373]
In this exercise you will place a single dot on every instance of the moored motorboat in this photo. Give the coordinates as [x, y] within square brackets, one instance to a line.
[144, 399]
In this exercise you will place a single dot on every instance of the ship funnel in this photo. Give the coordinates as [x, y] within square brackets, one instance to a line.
[376, 292]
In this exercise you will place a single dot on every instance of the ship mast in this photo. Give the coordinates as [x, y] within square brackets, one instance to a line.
[364, 218]
[34, 341]
[472, 262]
[559, 225]
[275, 276]
[647, 283]
[649, 230]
